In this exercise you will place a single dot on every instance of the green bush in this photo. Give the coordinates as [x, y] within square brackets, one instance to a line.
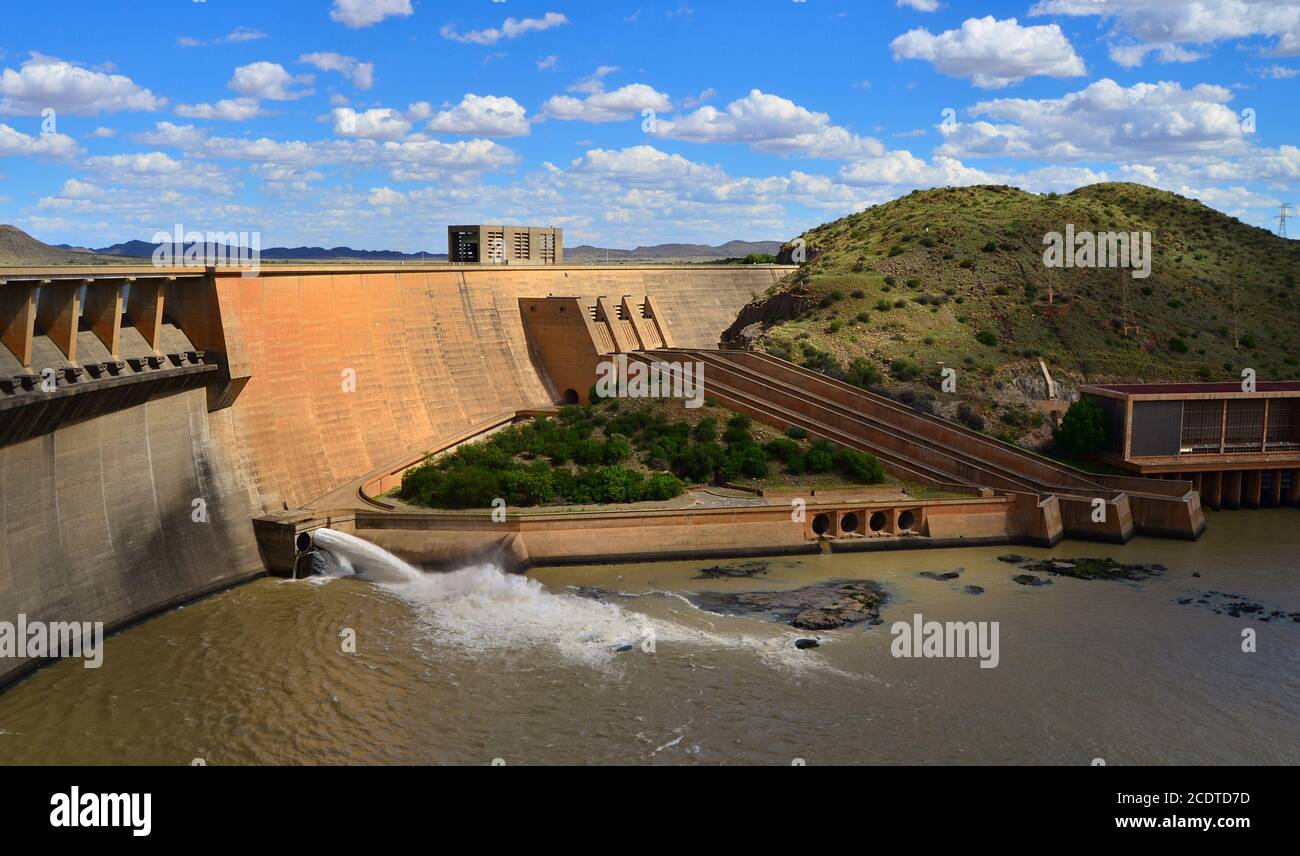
[794, 432]
[987, 337]
[1083, 428]
[861, 467]
[782, 448]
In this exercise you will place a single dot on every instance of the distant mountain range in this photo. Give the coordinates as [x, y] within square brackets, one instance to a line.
[19, 248]
[144, 249]
[661, 252]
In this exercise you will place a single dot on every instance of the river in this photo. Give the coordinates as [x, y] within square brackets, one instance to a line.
[478, 667]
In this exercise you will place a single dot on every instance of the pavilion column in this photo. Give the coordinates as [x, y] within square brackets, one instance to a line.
[18, 319]
[1213, 495]
[145, 308]
[1276, 498]
[103, 311]
[1232, 489]
[1251, 483]
[1293, 492]
[58, 311]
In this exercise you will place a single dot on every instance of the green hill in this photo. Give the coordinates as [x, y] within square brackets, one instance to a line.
[957, 276]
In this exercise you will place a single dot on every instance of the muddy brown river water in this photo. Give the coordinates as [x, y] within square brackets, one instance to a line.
[477, 666]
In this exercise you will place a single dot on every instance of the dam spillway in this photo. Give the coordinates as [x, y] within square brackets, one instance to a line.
[311, 376]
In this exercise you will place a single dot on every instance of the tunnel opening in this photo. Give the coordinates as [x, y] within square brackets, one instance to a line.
[849, 523]
[906, 520]
[878, 521]
[821, 524]
[571, 396]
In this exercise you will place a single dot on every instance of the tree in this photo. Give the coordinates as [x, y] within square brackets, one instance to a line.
[1083, 428]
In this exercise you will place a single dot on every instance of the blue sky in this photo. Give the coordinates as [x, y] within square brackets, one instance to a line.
[374, 123]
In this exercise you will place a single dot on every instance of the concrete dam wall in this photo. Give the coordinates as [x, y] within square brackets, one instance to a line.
[138, 437]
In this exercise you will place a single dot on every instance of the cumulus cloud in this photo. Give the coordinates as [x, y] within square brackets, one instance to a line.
[1174, 22]
[512, 28]
[406, 160]
[16, 143]
[270, 82]
[361, 73]
[363, 13]
[772, 124]
[1103, 121]
[992, 53]
[44, 81]
[625, 102]
[483, 116]
[903, 168]
[227, 109]
[382, 123]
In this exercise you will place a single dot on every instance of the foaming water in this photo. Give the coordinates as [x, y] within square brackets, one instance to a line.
[483, 609]
[356, 556]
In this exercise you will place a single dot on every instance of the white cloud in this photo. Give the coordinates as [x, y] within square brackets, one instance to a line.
[227, 109]
[361, 73]
[595, 82]
[101, 133]
[625, 102]
[547, 63]
[269, 81]
[484, 116]
[1133, 55]
[235, 36]
[407, 160]
[150, 163]
[1191, 21]
[920, 5]
[44, 81]
[363, 13]
[512, 28]
[993, 53]
[772, 124]
[1278, 72]
[382, 123]
[1103, 121]
[16, 143]
[902, 168]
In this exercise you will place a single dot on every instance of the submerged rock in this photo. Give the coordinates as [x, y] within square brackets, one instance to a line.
[825, 606]
[739, 569]
[974, 590]
[1012, 558]
[1030, 580]
[942, 576]
[1096, 569]
[1239, 606]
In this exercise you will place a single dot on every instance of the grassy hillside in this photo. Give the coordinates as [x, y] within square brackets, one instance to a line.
[18, 248]
[956, 276]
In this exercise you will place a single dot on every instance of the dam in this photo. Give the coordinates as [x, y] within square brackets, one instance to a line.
[168, 432]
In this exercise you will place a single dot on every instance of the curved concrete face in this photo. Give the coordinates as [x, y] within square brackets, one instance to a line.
[100, 519]
[349, 371]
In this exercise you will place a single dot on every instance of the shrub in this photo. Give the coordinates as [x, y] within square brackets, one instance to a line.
[1178, 346]
[782, 448]
[863, 373]
[1083, 428]
[705, 430]
[861, 467]
[794, 432]
[987, 337]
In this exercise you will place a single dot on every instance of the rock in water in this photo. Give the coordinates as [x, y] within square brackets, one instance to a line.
[974, 590]
[942, 576]
[825, 606]
[806, 643]
[1030, 580]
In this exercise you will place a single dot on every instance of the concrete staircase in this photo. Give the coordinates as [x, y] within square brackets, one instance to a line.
[932, 451]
